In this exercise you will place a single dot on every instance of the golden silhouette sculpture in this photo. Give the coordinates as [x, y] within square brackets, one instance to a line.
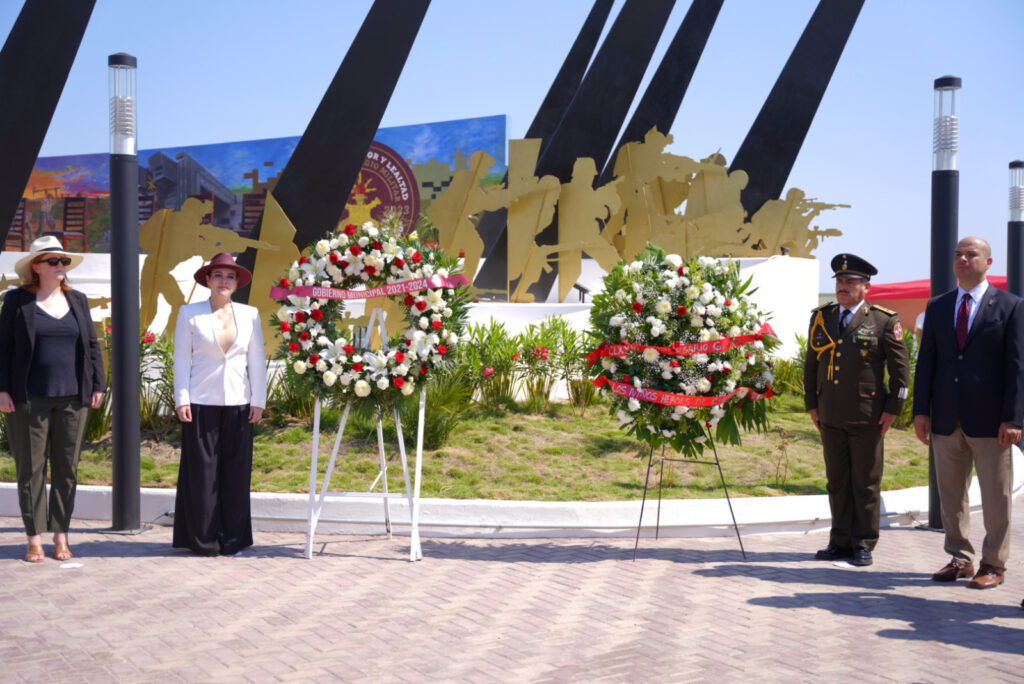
[452, 212]
[359, 210]
[170, 237]
[278, 230]
[532, 207]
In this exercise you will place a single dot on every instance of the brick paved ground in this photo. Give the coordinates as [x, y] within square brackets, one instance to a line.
[536, 610]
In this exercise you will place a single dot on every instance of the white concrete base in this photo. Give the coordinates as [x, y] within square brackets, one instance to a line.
[363, 514]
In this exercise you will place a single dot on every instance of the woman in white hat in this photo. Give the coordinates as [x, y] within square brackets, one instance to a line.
[51, 373]
[220, 390]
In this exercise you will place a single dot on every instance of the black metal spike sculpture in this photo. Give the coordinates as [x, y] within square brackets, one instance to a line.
[314, 187]
[34, 65]
[774, 140]
[664, 95]
[492, 225]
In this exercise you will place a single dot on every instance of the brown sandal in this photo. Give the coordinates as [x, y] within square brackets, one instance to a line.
[62, 552]
[35, 554]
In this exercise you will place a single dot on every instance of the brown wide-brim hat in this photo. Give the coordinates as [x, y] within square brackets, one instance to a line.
[45, 246]
[223, 260]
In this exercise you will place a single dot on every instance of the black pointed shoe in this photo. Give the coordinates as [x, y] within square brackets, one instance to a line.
[832, 552]
[861, 557]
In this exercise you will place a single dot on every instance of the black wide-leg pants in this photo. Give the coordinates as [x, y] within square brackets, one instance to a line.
[211, 510]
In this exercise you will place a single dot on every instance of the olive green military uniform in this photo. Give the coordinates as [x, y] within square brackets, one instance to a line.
[844, 381]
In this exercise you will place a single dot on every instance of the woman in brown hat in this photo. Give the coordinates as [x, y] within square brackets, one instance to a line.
[220, 390]
[51, 373]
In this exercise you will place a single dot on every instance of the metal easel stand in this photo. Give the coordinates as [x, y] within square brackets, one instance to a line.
[316, 503]
[661, 474]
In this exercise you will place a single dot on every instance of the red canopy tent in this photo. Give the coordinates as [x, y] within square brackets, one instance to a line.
[909, 298]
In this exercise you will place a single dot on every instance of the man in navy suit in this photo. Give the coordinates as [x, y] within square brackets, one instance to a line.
[969, 394]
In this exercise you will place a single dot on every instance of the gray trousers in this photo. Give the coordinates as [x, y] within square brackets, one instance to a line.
[40, 430]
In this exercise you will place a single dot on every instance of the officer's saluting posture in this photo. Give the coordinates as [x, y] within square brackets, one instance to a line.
[848, 348]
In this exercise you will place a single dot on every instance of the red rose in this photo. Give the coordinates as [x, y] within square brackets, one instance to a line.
[370, 270]
[376, 245]
[342, 264]
[299, 317]
[423, 369]
[285, 283]
[769, 393]
[673, 364]
[354, 249]
[350, 229]
[316, 314]
[303, 336]
[398, 382]
[728, 302]
[399, 262]
[409, 300]
[399, 357]
[707, 424]
[293, 347]
[437, 325]
[638, 307]
[333, 258]
[313, 359]
[421, 305]
[303, 260]
[725, 369]
[285, 327]
[349, 348]
[442, 350]
[625, 378]
[681, 270]
[357, 367]
[680, 311]
[416, 257]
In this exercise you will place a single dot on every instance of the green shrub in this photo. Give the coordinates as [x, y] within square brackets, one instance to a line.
[490, 361]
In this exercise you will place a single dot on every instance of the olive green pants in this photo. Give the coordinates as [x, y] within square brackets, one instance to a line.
[41, 429]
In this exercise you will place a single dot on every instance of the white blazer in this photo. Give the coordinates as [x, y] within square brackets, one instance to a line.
[204, 374]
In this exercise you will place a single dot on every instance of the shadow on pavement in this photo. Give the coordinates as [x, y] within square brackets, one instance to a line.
[822, 573]
[952, 622]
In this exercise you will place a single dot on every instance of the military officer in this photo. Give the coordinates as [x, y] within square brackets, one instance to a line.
[849, 346]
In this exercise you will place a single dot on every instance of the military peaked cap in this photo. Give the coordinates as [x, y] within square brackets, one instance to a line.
[852, 265]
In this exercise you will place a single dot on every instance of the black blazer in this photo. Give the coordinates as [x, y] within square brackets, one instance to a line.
[17, 338]
[983, 385]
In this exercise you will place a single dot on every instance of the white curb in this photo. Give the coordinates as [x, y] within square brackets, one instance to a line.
[364, 514]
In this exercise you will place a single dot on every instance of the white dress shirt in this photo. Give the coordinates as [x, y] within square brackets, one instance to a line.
[204, 374]
[976, 293]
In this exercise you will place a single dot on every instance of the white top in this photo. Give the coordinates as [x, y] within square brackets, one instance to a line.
[204, 374]
[976, 293]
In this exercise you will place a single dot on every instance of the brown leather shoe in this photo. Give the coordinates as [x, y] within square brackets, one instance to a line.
[987, 578]
[954, 570]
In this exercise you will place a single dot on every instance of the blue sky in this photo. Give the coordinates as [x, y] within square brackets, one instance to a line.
[212, 72]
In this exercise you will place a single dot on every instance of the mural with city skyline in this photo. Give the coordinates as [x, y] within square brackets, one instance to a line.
[68, 196]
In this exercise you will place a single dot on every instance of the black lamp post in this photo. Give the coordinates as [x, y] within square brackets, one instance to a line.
[124, 288]
[1014, 230]
[945, 220]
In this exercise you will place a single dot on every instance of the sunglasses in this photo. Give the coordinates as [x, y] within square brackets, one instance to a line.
[64, 261]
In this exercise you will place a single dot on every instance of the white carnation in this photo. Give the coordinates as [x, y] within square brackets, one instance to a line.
[362, 388]
[330, 378]
[299, 367]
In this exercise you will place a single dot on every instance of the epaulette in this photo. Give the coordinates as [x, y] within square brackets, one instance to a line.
[883, 310]
[823, 306]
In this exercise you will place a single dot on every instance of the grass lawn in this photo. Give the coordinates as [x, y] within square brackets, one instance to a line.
[519, 455]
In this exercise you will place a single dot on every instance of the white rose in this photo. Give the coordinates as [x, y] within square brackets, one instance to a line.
[703, 385]
[424, 322]
[321, 365]
[322, 247]
[382, 383]
[362, 388]
[634, 405]
[299, 367]
[663, 306]
[330, 378]
[408, 388]
[616, 321]
[293, 274]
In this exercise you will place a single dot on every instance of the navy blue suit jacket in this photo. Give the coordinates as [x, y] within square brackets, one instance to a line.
[981, 386]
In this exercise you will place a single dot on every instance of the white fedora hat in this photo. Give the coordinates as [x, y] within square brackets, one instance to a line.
[45, 246]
